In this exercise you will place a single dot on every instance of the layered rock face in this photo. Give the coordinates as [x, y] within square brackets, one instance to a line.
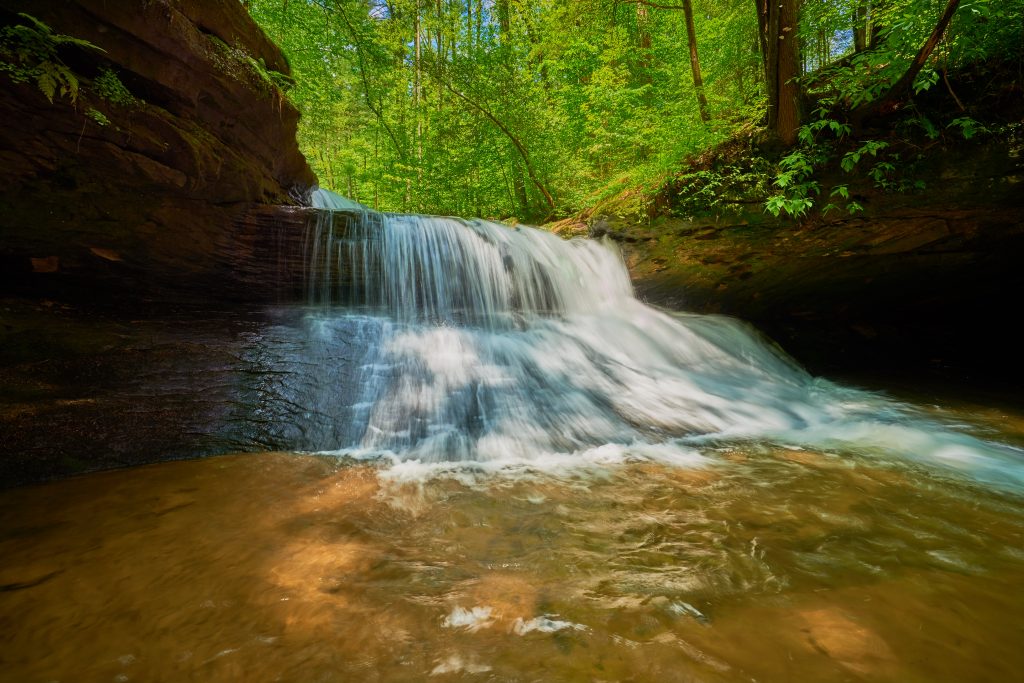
[924, 282]
[138, 178]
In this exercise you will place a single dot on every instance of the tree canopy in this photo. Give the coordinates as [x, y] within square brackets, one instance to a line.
[535, 108]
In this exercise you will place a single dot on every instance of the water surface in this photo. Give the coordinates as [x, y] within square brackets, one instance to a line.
[757, 563]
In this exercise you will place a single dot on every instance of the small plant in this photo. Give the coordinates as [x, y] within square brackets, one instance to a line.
[795, 180]
[110, 88]
[29, 54]
[843, 192]
[968, 127]
[925, 80]
[868, 147]
[725, 189]
[97, 116]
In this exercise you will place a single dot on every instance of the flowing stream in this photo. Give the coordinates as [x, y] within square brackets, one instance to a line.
[512, 470]
[510, 347]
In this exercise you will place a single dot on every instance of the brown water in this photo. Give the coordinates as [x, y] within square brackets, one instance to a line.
[766, 565]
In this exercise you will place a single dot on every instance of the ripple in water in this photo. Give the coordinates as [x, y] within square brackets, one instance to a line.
[766, 564]
[566, 485]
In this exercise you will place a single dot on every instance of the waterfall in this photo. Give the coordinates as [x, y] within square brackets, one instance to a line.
[447, 340]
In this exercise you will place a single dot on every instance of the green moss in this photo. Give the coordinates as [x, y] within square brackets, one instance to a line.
[241, 66]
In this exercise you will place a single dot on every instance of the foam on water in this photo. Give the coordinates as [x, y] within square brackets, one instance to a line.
[481, 348]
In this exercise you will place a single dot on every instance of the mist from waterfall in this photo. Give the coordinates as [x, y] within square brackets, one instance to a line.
[467, 341]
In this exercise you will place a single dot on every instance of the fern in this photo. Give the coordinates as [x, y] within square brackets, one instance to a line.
[29, 54]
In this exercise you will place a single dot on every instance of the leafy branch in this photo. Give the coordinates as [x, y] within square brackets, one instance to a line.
[29, 52]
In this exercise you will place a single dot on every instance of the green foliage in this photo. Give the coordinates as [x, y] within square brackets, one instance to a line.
[97, 116]
[110, 88]
[724, 189]
[602, 121]
[968, 127]
[980, 30]
[468, 107]
[868, 147]
[29, 53]
[796, 183]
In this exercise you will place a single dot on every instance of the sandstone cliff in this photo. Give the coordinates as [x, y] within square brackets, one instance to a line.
[134, 179]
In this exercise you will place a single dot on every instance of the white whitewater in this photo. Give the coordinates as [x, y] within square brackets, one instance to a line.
[332, 201]
[473, 342]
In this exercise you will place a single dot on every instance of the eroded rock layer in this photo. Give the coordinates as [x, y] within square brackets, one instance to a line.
[142, 190]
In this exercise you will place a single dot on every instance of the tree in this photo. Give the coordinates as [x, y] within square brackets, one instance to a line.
[698, 81]
[777, 22]
[526, 108]
[896, 93]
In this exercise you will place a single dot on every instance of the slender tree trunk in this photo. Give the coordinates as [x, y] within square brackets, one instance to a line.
[440, 59]
[479, 21]
[762, 32]
[875, 24]
[548, 199]
[519, 185]
[860, 26]
[698, 81]
[504, 19]
[892, 98]
[417, 95]
[777, 20]
[644, 43]
[503, 10]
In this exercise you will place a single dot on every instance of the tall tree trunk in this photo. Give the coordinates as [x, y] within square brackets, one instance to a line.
[762, 31]
[417, 95]
[875, 24]
[519, 185]
[788, 120]
[777, 20]
[479, 21]
[860, 25]
[698, 81]
[892, 98]
[644, 43]
[504, 18]
[440, 56]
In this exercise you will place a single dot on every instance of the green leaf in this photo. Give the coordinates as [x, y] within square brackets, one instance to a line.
[47, 85]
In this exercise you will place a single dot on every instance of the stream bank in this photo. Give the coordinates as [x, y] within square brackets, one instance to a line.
[919, 285]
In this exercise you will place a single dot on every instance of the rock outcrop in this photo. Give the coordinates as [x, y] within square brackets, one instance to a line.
[135, 179]
[924, 282]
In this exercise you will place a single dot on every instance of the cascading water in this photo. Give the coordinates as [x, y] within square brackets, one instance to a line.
[567, 485]
[469, 341]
